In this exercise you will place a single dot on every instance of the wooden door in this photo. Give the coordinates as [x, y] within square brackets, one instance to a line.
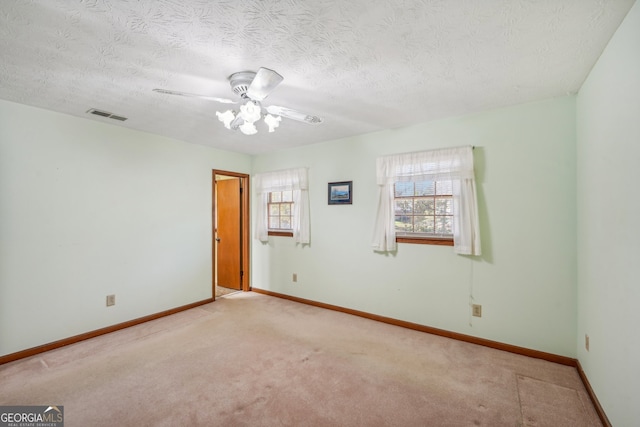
[229, 233]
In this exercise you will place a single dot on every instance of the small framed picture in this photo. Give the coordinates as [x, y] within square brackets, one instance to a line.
[340, 193]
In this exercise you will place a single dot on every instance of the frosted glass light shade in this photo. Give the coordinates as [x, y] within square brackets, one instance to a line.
[272, 121]
[226, 117]
[250, 112]
[245, 120]
[248, 128]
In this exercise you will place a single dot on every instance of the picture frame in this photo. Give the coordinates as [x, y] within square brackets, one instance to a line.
[340, 193]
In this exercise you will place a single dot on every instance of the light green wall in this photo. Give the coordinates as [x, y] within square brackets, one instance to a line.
[608, 123]
[526, 277]
[89, 209]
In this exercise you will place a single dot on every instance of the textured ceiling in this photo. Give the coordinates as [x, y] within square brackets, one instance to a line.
[362, 65]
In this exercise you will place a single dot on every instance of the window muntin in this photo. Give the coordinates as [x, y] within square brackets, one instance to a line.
[280, 208]
[424, 209]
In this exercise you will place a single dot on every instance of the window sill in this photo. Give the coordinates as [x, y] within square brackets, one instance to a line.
[281, 233]
[425, 241]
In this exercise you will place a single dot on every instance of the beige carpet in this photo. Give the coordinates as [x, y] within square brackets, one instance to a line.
[254, 360]
[222, 291]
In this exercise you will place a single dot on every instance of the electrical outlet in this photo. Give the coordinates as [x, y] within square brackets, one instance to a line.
[476, 310]
[111, 300]
[586, 341]
[295, 277]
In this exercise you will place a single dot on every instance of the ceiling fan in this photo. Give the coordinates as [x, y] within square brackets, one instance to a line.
[252, 88]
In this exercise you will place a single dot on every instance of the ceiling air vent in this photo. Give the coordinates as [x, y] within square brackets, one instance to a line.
[106, 114]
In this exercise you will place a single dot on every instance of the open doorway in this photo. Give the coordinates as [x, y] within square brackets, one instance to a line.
[230, 240]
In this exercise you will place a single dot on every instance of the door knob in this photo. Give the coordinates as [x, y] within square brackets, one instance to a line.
[218, 239]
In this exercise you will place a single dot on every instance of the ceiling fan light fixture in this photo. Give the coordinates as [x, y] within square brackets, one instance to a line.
[252, 88]
[227, 117]
[248, 128]
[250, 112]
[272, 121]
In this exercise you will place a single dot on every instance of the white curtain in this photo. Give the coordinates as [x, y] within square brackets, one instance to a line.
[447, 164]
[294, 180]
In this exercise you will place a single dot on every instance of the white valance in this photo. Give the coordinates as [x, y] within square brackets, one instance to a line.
[295, 180]
[447, 164]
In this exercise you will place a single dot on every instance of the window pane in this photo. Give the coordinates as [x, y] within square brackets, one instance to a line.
[274, 210]
[444, 225]
[404, 207]
[424, 206]
[404, 189]
[287, 196]
[423, 224]
[274, 222]
[403, 223]
[444, 187]
[285, 222]
[425, 188]
[285, 209]
[276, 196]
[444, 206]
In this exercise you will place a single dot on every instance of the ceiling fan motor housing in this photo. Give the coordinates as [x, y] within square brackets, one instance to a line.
[240, 82]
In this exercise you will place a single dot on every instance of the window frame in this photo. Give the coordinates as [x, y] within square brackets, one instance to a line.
[296, 179]
[452, 163]
[283, 232]
[421, 238]
[439, 241]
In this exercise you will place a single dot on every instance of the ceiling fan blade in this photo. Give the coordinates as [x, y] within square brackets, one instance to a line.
[294, 115]
[193, 95]
[263, 84]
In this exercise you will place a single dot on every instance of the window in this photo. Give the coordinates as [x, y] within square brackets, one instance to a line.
[424, 209]
[283, 204]
[427, 197]
[280, 208]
